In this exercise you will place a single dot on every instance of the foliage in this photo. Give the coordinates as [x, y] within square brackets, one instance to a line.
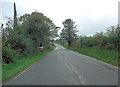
[109, 56]
[11, 69]
[9, 55]
[15, 16]
[109, 39]
[102, 46]
[69, 31]
[39, 28]
[26, 35]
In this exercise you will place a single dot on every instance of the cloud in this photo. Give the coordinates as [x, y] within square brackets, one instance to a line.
[88, 25]
[90, 15]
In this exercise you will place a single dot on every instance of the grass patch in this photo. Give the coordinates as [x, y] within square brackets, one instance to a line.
[12, 69]
[108, 56]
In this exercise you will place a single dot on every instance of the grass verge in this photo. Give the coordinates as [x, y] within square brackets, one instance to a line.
[12, 69]
[105, 55]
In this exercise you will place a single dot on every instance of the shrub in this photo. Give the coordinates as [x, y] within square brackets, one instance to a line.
[9, 55]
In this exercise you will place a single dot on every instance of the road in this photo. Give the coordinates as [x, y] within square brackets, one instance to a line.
[65, 67]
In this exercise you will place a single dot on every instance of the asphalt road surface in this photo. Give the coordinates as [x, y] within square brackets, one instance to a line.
[65, 67]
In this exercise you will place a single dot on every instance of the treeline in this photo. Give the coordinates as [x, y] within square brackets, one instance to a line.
[102, 46]
[109, 40]
[24, 35]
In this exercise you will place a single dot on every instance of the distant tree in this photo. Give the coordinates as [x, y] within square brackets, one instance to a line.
[69, 31]
[15, 16]
[53, 31]
[81, 40]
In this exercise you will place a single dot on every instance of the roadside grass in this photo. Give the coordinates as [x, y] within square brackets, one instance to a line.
[12, 69]
[105, 55]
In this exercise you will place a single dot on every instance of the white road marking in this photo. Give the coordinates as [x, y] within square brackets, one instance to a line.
[71, 65]
[96, 60]
[76, 73]
[81, 80]
[20, 74]
[79, 77]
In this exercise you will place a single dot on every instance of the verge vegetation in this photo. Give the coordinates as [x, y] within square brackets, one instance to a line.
[102, 46]
[12, 69]
[23, 39]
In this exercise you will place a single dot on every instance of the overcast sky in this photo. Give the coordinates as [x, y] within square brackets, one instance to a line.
[90, 15]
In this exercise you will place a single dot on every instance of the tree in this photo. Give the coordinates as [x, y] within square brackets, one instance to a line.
[81, 40]
[24, 36]
[53, 31]
[39, 28]
[15, 16]
[69, 31]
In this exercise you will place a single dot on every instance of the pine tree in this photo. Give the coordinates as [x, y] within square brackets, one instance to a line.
[69, 31]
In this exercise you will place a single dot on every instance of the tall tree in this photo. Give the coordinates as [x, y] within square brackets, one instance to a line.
[69, 31]
[39, 28]
[15, 16]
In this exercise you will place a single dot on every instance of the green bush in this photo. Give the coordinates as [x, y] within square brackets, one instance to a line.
[109, 39]
[9, 55]
[112, 36]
